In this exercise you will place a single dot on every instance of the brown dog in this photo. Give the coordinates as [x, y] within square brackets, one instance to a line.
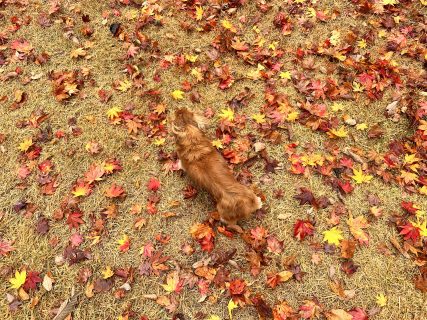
[208, 169]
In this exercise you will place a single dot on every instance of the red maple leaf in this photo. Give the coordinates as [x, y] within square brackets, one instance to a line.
[306, 196]
[74, 219]
[303, 228]
[32, 280]
[115, 191]
[410, 232]
[345, 186]
[5, 247]
[153, 184]
[358, 314]
[408, 206]
[237, 287]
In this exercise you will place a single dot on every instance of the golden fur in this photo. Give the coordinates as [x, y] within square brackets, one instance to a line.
[208, 169]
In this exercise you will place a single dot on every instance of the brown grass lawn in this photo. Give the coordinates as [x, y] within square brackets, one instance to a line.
[380, 271]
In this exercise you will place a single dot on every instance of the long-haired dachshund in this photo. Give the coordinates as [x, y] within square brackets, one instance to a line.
[208, 169]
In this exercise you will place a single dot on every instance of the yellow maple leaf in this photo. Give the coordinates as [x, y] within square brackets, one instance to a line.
[171, 282]
[423, 190]
[410, 158]
[18, 280]
[107, 273]
[114, 112]
[333, 236]
[389, 2]
[217, 143]
[228, 25]
[124, 243]
[231, 306]
[178, 94]
[337, 107]
[159, 141]
[423, 2]
[335, 37]
[227, 114]
[191, 57]
[357, 87]
[259, 118]
[26, 144]
[124, 85]
[79, 191]
[360, 177]
[311, 13]
[361, 44]
[292, 116]
[381, 300]
[407, 176]
[214, 317]
[199, 13]
[285, 75]
[340, 133]
[361, 126]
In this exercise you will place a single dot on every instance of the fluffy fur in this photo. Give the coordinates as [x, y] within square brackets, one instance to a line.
[208, 169]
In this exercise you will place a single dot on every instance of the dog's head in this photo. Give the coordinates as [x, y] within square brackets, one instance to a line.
[183, 118]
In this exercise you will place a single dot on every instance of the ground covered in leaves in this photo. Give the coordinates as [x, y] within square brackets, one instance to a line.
[320, 106]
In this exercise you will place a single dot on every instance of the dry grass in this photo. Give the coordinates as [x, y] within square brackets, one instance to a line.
[378, 273]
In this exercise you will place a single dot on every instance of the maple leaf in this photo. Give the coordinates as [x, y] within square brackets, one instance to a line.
[111, 165]
[74, 219]
[115, 191]
[231, 306]
[274, 245]
[18, 280]
[381, 300]
[107, 273]
[338, 314]
[409, 231]
[309, 310]
[94, 173]
[79, 52]
[259, 118]
[333, 236]
[81, 188]
[358, 314]
[173, 283]
[237, 287]
[340, 133]
[177, 94]
[347, 248]
[153, 184]
[114, 113]
[303, 228]
[283, 311]
[32, 280]
[356, 228]
[285, 75]
[227, 114]
[5, 247]
[199, 13]
[361, 126]
[360, 177]
[273, 279]
[26, 144]
[124, 85]
[306, 196]
[389, 2]
[124, 243]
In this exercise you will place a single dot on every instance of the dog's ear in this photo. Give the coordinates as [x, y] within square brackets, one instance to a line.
[201, 121]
